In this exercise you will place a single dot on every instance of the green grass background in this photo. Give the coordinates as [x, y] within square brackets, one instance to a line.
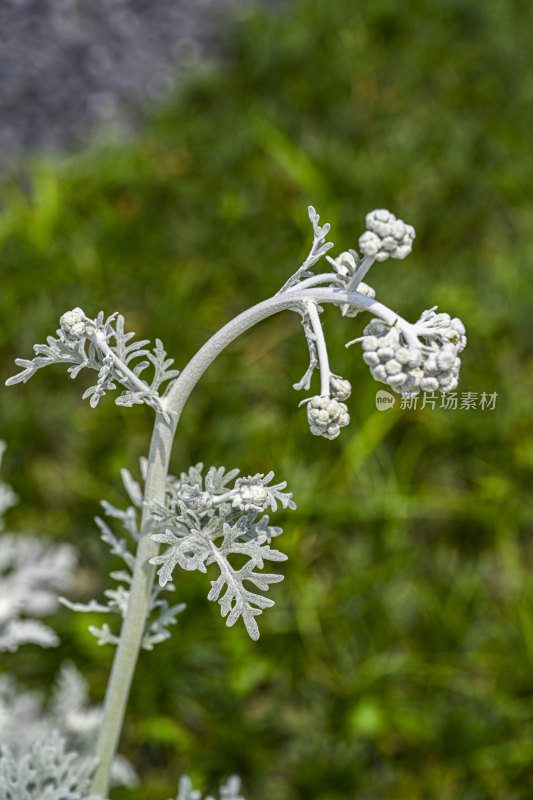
[397, 663]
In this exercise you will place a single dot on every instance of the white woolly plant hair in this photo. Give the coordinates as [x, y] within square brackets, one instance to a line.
[202, 519]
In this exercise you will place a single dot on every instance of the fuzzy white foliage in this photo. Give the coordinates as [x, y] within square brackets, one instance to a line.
[8, 497]
[161, 615]
[207, 523]
[31, 574]
[27, 719]
[103, 345]
[47, 772]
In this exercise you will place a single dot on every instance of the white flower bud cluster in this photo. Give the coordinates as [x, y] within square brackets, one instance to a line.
[250, 496]
[327, 416]
[409, 370]
[340, 388]
[75, 325]
[386, 236]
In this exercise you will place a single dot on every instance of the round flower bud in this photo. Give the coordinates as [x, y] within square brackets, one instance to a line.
[449, 385]
[340, 388]
[369, 244]
[250, 496]
[371, 358]
[408, 356]
[412, 382]
[379, 373]
[344, 418]
[379, 220]
[77, 330]
[73, 323]
[458, 326]
[385, 353]
[402, 251]
[429, 384]
[442, 320]
[445, 358]
[397, 380]
[389, 243]
[393, 367]
[370, 343]
[398, 229]
[430, 366]
[456, 334]
[415, 357]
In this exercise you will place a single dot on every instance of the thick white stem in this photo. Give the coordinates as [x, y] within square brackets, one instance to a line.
[139, 597]
[158, 460]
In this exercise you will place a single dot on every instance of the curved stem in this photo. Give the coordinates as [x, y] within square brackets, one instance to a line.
[322, 353]
[181, 388]
[158, 460]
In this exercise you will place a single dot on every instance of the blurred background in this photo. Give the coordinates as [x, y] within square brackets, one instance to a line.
[159, 160]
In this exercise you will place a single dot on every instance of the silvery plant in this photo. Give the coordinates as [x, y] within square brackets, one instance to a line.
[198, 520]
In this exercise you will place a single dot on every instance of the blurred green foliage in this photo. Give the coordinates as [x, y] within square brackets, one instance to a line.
[398, 661]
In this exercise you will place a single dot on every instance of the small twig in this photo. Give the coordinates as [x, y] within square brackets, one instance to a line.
[322, 353]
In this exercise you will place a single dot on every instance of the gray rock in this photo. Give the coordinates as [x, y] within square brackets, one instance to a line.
[69, 68]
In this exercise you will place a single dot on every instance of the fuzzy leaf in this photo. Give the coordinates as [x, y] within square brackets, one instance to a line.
[199, 549]
[319, 248]
[103, 346]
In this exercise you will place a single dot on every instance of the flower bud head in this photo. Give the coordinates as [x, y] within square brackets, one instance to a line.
[386, 236]
[327, 416]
